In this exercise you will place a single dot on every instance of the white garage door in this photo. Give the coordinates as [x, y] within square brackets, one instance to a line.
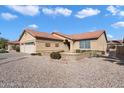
[28, 48]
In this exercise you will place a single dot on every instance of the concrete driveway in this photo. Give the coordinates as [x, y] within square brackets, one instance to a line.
[23, 70]
[11, 55]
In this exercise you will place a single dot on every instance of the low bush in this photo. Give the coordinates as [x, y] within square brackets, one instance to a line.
[3, 51]
[17, 49]
[78, 51]
[34, 54]
[112, 47]
[91, 53]
[55, 55]
[82, 51]
[61, 51]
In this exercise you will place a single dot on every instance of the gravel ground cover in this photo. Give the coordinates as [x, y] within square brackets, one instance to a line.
[36, 71]
[11, 55]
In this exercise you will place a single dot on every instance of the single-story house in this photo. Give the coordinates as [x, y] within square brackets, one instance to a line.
[116, 48]
[32, 41]
[115, 42]
[12, 45]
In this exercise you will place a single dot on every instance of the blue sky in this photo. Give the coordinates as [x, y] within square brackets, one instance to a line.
[65, 19]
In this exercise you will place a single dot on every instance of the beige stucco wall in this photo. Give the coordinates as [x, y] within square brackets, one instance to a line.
[66, 47]
[27, 37]
[92, 42]
[27, 48]
[99, 44]
[102, 43]
[40, 45]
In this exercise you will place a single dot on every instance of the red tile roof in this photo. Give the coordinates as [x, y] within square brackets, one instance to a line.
[63, 35]
[87, 35]
[14, 42]
[37, 34]
[115, 41]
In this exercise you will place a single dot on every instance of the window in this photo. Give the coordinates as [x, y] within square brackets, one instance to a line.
[57, 45]
[85, 44]
[47, 44]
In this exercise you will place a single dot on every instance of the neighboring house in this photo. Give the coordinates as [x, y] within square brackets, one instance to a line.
[32, 41]
[115, 42]
[115, 48]
[12, 45]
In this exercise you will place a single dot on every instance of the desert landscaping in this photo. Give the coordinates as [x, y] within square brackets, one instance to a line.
[59, 46]
[23, 70]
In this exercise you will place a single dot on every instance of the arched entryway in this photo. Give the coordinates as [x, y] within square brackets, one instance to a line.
[66, 42]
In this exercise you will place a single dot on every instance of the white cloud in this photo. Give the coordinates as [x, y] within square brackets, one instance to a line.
[8, 16]
[29, 10]
[121, 13]
[87, 12]
[33, 26]
[110, 36]
[57, 11]
[112, 10]
[118, 24]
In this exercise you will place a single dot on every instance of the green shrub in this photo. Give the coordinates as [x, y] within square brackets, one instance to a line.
[14, 47]
[78, 51]
[103, 52]
[112, 47]
[81, 51]
[39, 54]
[61, 51]
[91, 53]
[34, 54]
[55, 55]
[3, 51]
[17, 49]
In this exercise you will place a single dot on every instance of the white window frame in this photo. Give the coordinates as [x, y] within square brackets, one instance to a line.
[85, 44]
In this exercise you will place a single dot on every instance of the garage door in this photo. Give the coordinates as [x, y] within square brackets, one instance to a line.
[28, 47]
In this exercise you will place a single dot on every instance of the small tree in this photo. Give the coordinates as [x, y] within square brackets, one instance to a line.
[3, 43]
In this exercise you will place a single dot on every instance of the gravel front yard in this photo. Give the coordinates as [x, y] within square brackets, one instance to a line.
[35, 71]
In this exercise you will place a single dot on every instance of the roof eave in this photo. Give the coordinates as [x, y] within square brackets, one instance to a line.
[62, 35]
[48, 38]
[85, 39]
